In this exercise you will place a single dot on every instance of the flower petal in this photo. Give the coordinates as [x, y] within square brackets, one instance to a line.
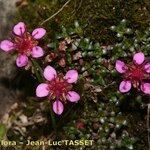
[147, 67]
[49, 73]
[138, 58]
[72, 96]
[120, 66]
[38, 33]
[125, 86]
[19, 28]
[22, 60]
[58, 107]
[71, 76]
[37, 52]
[6, 45]
[145, 87]
[42, 90]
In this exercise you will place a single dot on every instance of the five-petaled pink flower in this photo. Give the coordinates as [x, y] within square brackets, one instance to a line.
[135, 73]
[58, 88]
[24, 43]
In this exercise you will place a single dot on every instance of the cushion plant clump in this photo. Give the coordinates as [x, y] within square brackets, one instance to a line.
[98, 97]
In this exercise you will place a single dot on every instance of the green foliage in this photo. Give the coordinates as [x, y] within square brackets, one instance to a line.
[2, 131]
[130, 40]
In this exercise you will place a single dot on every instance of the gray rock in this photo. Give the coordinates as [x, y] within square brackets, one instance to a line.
[7, 65]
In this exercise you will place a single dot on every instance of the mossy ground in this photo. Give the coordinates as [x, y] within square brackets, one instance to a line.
[97, 16]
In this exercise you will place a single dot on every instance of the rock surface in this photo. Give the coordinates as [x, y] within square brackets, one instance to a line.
[7, 66]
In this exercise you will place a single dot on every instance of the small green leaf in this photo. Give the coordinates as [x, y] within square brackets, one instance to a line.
[76, 24]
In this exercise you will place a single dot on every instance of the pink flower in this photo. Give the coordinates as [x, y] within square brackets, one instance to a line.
[58, 88]
[24, 43]
[135, 73]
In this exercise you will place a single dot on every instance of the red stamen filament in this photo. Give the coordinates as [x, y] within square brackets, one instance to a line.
[59, 87]
[25, 43]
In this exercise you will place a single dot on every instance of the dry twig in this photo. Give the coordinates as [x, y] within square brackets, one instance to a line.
[56, 13]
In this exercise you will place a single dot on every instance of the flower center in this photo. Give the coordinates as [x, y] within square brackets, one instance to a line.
[25, 43]
[59, 87]
[135, 73]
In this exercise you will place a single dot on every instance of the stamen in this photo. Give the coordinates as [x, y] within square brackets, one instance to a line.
[25, 43]
[59, 87]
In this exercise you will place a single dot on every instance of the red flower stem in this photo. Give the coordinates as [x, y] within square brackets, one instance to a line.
[65, 115]
[53, 119]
